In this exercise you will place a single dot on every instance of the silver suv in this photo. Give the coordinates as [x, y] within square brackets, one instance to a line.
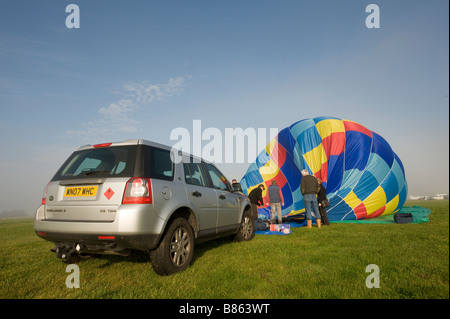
[115, 198]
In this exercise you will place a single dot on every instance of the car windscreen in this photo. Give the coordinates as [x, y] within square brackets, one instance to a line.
[116, 161]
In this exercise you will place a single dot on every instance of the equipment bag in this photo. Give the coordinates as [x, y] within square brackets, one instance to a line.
[260, 225]
[403, 218]
[325, 203]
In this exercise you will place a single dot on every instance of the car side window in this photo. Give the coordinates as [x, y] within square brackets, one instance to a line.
[194, 174]
[158, 164]
[162, 165]
[219, 181]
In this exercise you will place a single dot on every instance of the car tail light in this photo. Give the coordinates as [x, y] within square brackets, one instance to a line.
[44, 195]
[138, 191]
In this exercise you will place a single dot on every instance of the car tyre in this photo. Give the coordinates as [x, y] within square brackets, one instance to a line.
[175, 250]
[247, 229]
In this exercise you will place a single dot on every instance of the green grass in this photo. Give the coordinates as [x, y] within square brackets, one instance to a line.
[310, 263]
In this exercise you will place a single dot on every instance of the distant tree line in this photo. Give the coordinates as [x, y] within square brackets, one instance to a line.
[15, 213]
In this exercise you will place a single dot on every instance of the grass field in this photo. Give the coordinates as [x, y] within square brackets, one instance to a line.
[413, 261]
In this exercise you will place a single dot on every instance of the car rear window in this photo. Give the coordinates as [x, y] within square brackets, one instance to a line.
[116, 161]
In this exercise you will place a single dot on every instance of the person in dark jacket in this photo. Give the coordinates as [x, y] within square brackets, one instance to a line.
[309, 188]
[321, 197]
[256, 199]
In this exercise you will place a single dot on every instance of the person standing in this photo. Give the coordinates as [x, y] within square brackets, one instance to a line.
[321, 198]
[309, 188]
[275, 200]
[256, 199]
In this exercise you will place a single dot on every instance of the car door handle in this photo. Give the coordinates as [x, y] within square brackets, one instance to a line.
[222, 196]
[197, 194]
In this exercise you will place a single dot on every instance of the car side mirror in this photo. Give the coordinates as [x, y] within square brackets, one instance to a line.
[237, 187]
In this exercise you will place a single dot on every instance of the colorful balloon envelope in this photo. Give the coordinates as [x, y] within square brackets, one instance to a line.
[363, 176]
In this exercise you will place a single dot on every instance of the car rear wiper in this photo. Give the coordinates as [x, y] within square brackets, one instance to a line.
[94, 173]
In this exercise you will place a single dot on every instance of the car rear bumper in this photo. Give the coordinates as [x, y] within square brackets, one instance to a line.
[102, 242]
[131, 229]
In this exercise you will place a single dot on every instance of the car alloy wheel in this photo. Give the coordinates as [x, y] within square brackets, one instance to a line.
[246, 227]
[180, 246]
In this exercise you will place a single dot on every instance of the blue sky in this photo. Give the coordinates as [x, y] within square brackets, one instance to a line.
[139, 69]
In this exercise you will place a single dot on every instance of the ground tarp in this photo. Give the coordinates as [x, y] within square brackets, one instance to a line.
[420, 215]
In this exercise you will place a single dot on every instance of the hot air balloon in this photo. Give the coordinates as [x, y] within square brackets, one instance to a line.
[363, 176]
